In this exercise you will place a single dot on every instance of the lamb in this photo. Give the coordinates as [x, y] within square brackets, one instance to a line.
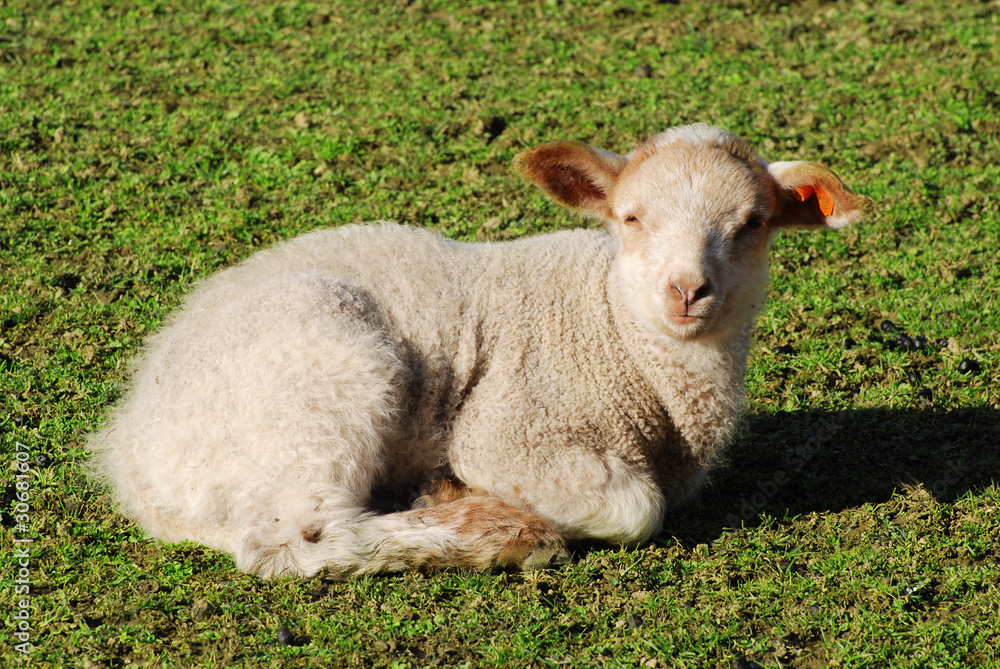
[551, 389]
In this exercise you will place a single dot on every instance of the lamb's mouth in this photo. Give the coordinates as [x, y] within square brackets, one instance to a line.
[684, 319]
[686, 327]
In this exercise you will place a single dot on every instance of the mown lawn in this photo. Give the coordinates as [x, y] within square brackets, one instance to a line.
[854, 523]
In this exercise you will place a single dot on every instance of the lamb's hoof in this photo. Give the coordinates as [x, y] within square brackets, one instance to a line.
[534, 546]
[543, 557]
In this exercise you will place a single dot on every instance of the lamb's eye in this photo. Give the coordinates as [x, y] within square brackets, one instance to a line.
[755, 222]
[633, 221]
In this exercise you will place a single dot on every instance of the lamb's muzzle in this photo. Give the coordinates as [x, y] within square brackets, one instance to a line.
[567, 386]
[688, 295]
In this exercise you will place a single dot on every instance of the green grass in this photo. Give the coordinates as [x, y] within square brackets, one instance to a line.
[144, 145]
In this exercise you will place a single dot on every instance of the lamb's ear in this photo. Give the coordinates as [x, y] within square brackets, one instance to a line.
[575, 175]
[811, 195]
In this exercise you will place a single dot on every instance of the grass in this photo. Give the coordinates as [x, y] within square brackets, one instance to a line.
[854, 523]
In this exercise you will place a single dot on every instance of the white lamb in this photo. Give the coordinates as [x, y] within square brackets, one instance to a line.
[562, 387]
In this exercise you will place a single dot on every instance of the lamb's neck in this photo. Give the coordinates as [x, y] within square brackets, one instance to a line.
[699, 383]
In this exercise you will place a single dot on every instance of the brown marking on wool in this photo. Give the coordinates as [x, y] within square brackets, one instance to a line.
[312, 534]
[496, 534]
[442, 491]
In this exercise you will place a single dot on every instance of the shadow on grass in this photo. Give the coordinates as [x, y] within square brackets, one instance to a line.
[787, 464]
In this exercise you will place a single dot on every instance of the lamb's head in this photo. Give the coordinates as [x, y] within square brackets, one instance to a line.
[694, 210]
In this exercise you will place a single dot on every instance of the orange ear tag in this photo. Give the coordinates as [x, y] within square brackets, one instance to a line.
[822, 197]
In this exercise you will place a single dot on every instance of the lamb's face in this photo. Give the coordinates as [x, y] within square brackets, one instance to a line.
[692, 223]
[694, 210]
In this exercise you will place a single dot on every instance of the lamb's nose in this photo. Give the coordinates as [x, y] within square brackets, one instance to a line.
[689, 294]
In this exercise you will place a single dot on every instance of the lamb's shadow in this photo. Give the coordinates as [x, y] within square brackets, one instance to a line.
[788, 464]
